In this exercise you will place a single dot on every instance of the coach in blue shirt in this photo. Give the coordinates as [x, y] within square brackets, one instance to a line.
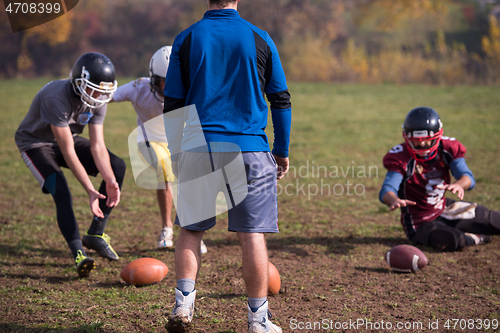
[223, 66]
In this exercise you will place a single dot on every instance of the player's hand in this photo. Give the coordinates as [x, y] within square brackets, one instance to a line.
[283, 165]
[398, 203]
[453, 188]
[114, 193]
[94, 197]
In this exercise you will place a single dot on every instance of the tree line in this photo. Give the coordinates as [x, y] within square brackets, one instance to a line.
[370, 41]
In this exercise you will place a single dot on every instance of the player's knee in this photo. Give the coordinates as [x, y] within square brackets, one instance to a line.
[118, 165]
[57, 185]
[446, 240]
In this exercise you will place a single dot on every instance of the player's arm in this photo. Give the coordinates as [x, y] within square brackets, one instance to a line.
[458, 188]
[388, 193]
[175, 99]
[464, 178]
[64, 139]
[281, 113]
[101, 159]
[281, 108]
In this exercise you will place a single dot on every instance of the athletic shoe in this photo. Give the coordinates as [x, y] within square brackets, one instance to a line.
[84, 264]
[203, 248]
[260, 321]
[480, 239]
[101, 244]
[182, 314]
[166, 238]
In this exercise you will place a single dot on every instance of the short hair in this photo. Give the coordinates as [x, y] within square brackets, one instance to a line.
[221, 3]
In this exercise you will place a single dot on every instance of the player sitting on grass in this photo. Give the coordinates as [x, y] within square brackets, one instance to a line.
[146, 95]
[417, 178]
[48, 139]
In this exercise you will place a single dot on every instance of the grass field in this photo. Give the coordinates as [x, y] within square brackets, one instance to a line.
[333, 230]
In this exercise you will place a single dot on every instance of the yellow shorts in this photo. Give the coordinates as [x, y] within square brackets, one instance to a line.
[157, 156]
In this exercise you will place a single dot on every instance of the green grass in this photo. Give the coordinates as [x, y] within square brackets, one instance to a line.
[336, 128]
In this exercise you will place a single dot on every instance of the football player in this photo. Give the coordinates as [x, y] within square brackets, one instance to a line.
[417, 178]
[146, 95]
[48, 139]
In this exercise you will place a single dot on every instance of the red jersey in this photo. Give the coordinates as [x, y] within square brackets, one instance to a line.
[420, 180]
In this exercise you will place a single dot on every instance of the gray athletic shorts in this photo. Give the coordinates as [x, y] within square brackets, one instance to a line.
[247, 180]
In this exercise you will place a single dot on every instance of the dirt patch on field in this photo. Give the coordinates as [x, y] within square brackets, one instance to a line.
[333, 275]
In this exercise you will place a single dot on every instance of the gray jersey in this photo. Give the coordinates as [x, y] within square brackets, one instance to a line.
[55, 104]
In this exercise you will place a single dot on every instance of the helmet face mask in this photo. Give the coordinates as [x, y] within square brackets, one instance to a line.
[93, 79]
[422, 131]
[158, 66]
[156, 86]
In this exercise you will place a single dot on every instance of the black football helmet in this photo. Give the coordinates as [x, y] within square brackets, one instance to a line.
[422, 130]
[93, 79]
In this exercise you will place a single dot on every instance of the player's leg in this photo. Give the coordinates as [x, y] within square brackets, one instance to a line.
[485, 222]
[187, 264]
[251, 218]
[95, 238]
[44, 163]
[441, 236]
[187, 251]
[157, 156]
[164, 198]
[255, 263]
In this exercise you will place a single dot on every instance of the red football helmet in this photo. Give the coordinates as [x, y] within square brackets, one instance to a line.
[422, 131]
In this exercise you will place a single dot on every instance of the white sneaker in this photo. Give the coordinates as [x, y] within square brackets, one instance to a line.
[166, 239]
[203, 248]
[260, 321]
[182, 314]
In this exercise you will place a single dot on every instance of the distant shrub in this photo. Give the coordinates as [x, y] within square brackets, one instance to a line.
[491, 47]
[310, 59]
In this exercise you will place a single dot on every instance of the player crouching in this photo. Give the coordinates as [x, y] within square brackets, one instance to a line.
[48, 139]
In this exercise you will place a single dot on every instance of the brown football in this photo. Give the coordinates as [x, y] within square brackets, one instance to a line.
[406, 258]
[144, 271]
[274, 281]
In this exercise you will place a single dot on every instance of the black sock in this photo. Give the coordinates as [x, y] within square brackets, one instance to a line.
[469, 240]
[76, 245]
[98, 225]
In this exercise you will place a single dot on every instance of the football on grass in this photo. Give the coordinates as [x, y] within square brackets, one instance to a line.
[144, 271]
[406, 258]
[274, 281]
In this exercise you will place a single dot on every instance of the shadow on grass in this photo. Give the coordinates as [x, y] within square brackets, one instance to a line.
[93, 328]
[334, 245]
[23, 250]
[376, 270]
[221, 296]
[48, 279]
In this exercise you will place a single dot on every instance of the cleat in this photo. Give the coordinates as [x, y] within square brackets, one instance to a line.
[182, 314]
[84, 264]
[101, 244]
[166, 238]
[480, 239]
[203, 248]
[260, 321]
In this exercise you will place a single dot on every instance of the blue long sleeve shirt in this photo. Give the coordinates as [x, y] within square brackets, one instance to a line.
[224, 66]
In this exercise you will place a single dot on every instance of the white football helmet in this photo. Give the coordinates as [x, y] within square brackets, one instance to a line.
[158, 70]
[93, 79]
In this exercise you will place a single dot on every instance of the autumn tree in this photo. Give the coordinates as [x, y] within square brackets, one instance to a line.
[491, 48]
[388, 14]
